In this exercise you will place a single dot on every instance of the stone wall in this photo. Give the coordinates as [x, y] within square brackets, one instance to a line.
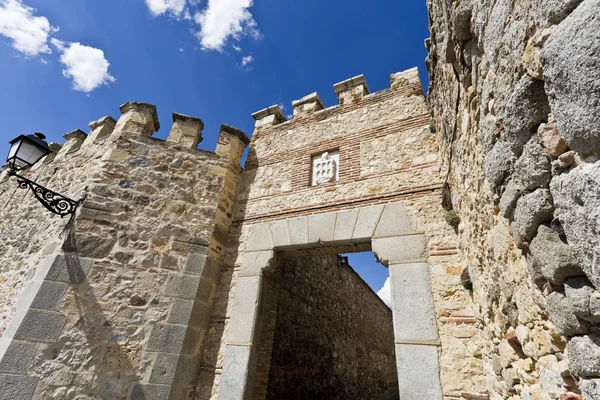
[276, 187]
[333, 336]
[514, 93]
[116, 304]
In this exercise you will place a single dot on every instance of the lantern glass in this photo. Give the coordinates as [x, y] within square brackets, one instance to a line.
[25, 151]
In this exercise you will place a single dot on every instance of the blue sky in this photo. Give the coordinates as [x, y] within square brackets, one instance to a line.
[64, 63]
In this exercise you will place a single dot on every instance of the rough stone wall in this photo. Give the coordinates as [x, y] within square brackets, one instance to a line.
[276, 186]
[333, 336]
[131, 283]
[515, 96]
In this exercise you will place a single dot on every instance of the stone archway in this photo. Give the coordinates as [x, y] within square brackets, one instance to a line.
[387, 229]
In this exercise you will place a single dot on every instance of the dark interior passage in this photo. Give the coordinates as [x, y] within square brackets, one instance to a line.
[324, 334]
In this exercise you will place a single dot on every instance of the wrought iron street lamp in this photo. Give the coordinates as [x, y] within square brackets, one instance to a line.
[25, 151]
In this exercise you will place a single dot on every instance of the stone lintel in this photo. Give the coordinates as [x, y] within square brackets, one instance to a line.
[236, 133]
[350, 84]
[269, 116]
[107, 120]
[145, 108]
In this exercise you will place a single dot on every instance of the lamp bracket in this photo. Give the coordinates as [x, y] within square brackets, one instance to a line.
[52, 201]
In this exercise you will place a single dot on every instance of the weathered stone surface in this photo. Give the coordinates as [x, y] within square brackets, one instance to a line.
[590, 388]
[368, 217]
[150, 392]
[418, 372]
[580, 293]
[344, 224]
[532, 210]
[244, 310]
[394, 221]
[547, 12]
[572, 76]
[184, 286]
[578, 209]
[298, 230]
[16, 356]
[42, 295]
[412, 301]
[236, 372]
[166, 338]
[584, 356]
[499, 164]
[281, 234]
[35, 325]
[392, 250]
[489, 132]
[320, 227]
[94, 246]
[548, 133]
[553, 258]
[255, 262]
[17, 387]
[259, 238]
[461, 18]
[64, 268]
[195, 264]
[532, 171]
[563, 315]
[526, 109]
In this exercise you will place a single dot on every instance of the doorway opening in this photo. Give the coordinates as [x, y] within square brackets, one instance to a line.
[324, 332]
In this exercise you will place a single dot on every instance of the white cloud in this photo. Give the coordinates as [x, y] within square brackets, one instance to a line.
[29, 34]
[246, 61]
[385, 293]
[86, 66]
[173, 7]
[237, 48]
[223, 20]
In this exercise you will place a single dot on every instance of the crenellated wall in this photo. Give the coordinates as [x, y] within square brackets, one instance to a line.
[515, 96]
[117, 304]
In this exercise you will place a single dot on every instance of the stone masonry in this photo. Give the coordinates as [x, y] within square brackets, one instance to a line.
[118, 304]
[515, 97]
[332, 336]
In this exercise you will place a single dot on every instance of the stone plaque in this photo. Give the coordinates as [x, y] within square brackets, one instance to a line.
[325, 168]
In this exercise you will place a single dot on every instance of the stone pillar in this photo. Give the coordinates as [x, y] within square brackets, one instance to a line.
[237, 379]
[101, 128]
[186, 131]
[351, 90]
[232, 143]
[267, 117]
[307, 105]
[138, 119]
[415, 328]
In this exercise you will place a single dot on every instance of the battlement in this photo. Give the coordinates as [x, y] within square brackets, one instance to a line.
[350, 91]
[141, 119]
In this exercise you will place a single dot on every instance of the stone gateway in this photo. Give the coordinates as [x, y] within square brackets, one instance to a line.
[186, 276]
